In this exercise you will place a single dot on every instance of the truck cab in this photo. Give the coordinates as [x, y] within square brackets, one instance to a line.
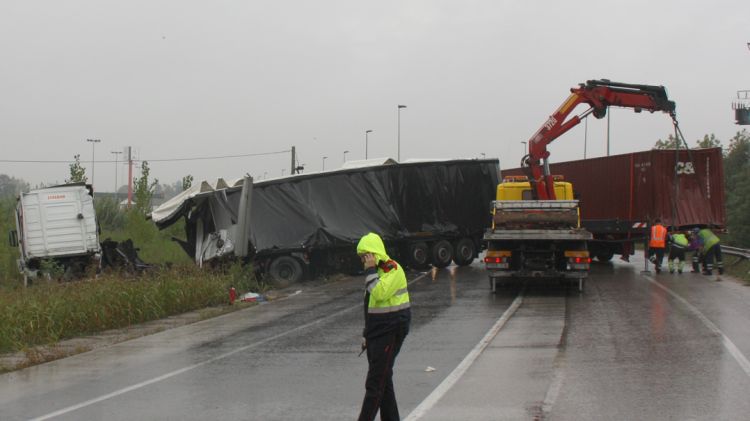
[536, 238]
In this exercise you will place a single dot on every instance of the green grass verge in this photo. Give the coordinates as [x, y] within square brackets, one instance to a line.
[47, 313]
[737, 267]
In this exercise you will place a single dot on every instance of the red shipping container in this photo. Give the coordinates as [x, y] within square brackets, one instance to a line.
[620, 194]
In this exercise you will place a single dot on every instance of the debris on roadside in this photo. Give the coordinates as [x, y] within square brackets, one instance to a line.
[252, 297]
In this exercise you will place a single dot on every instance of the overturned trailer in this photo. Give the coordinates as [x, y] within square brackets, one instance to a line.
[428, 213]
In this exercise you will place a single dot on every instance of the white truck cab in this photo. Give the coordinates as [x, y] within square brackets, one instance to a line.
[57, 223]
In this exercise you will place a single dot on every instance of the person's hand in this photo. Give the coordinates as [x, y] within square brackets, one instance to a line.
[368, 260]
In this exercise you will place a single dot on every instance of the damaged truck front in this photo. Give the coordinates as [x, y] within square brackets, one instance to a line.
[428, 213]
[56, 226]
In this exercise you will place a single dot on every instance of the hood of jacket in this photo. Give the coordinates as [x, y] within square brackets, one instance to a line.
[372, 243]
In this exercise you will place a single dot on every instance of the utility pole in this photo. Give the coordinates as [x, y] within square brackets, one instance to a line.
[366, 141]
[130, 176]
[294, 160]
[93, 146]
[115, 153]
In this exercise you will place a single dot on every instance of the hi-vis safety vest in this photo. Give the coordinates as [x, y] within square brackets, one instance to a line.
[680, 240]
[709, 238]
[388, 292]
[658, 237]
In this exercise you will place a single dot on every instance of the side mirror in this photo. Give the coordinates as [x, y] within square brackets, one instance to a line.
[13, 238]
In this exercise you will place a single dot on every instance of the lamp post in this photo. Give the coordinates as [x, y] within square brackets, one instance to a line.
[93, 145]
[608, 114]
[345, 152]
[399, 131]
[366, 141]
[585, 136]
[324, 163]
[115, 153]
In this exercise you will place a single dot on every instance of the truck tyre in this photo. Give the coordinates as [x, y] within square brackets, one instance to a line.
[605, 255]
[286, 268]
[463, 253]
[442, 254]
[418, 258]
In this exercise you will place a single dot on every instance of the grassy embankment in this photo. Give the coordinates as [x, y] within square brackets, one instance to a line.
[47, 311]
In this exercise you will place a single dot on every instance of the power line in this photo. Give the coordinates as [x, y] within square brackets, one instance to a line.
[41, 161]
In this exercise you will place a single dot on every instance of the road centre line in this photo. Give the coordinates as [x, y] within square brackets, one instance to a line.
[462, 367]
[725, 341]
[200, 364]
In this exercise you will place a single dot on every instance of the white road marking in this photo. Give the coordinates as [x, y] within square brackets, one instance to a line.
[200, 364]
[725, 341]
[460, 370]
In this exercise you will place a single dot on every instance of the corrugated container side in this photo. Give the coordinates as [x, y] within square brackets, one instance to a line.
[639, 186]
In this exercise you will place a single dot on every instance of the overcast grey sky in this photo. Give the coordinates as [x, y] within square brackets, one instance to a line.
[184, 79]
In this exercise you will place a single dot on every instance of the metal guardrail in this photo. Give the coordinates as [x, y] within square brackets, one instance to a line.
[735, 251]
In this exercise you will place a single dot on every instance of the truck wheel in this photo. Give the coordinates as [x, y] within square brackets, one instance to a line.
[442, 254]
[464, 252]
[286, 268]
[605, 256]
[418, 258]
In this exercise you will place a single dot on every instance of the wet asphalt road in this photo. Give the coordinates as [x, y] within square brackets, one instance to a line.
[633, 346]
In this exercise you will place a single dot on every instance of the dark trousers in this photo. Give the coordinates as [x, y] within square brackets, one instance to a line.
[656, 255]
[678, 253]
[714, 253]
[379, 392]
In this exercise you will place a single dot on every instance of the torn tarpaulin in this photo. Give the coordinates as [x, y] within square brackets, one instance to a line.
[336, 208]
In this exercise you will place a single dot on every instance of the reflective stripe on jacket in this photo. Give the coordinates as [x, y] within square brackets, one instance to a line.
[658, 237]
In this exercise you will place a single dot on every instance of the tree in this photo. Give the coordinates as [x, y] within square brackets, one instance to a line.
[187, 182]
[736, 174]
[670, 143]
[143, 190]
[77, 172]
[11, 186]
[708, 141]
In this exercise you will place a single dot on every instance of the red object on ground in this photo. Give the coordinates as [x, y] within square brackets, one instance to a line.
[232, 295]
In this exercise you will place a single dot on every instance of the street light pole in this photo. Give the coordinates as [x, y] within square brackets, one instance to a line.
[345, 152]
[399, 131]
[608, 114]
[585, 136]
[93, 145]
[366, 141]
[115, 153]
[324, 163]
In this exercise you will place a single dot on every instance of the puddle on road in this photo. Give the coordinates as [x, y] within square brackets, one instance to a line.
[451, 270]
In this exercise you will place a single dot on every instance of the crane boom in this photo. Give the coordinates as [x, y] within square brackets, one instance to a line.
[599, 95]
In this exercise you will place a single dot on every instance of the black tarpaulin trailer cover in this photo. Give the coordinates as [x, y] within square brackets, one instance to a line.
[336, 208]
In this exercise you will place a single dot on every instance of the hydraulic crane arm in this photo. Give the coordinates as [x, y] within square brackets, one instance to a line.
[599, 95]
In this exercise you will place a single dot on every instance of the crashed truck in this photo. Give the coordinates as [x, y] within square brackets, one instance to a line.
[428, 213]
[58, 225]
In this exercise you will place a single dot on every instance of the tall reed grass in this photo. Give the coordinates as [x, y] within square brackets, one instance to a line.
[48, 313]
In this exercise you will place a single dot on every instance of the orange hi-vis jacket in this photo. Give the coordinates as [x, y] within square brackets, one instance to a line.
[658, 237]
